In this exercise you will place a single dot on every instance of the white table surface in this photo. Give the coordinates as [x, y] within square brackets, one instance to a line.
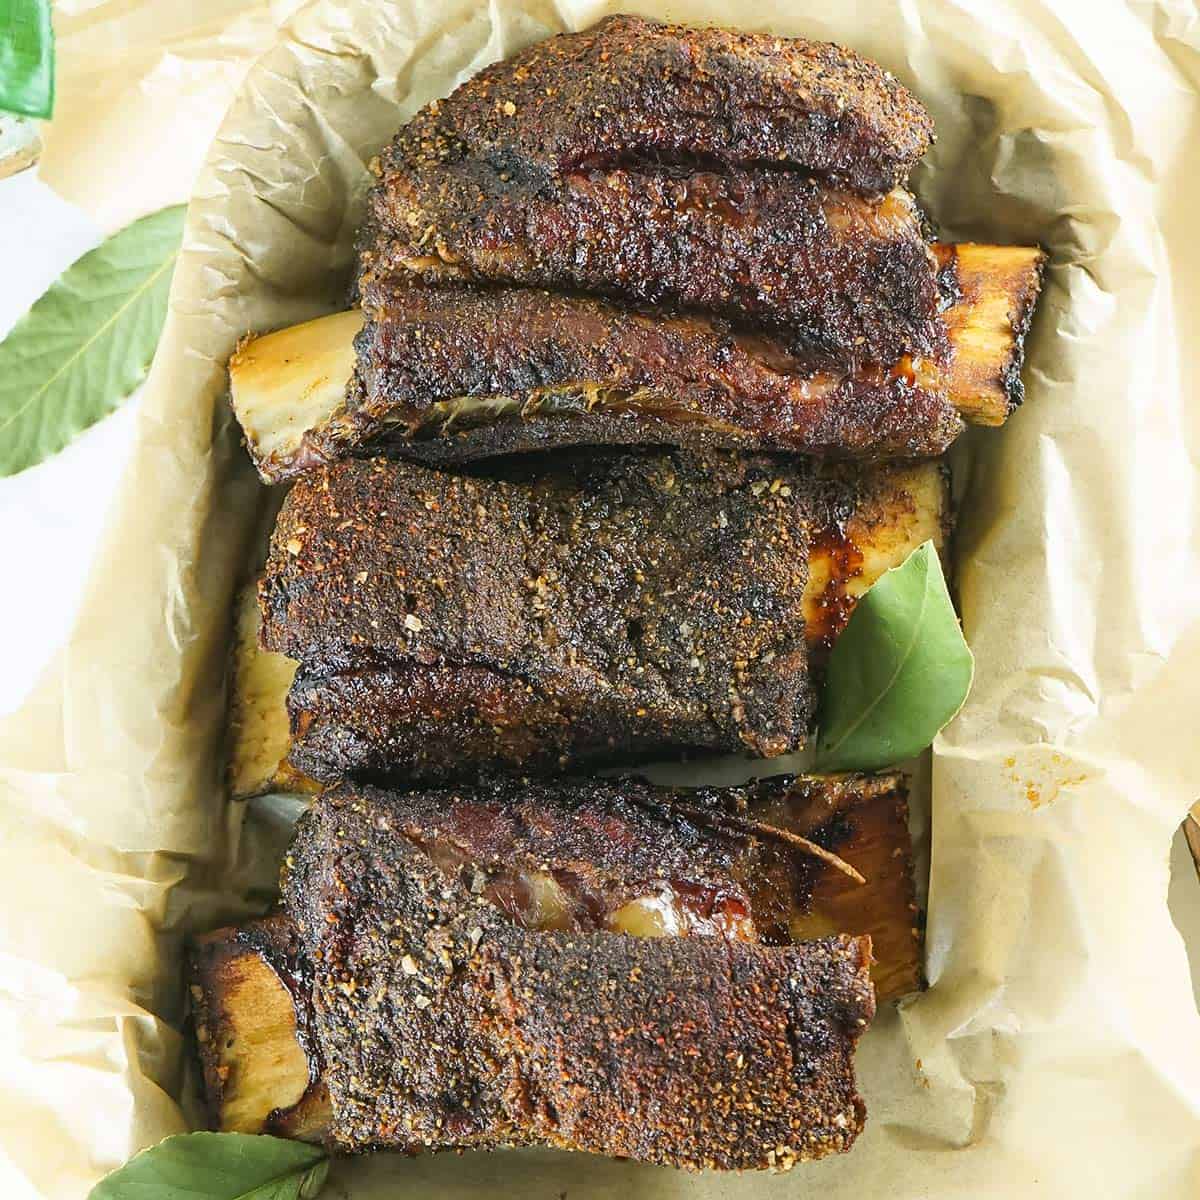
[52, 514]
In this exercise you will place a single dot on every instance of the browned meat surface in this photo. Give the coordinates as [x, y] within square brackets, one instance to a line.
[651, 235]
[452, 373]
[624, 855]
[671, 166]
[630, 88]
[573, 856]
[442, 1024]
[615, 608]
[823, 267]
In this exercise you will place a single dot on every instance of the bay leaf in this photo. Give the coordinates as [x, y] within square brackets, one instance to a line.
[87, 342]
[26, 57]
[898, 673]
[219, 1166]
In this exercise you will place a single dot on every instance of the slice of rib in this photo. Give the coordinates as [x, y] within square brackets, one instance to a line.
[611, 609]
[454, 374]
[632, 88]
[250, 986]
[865, 520]
[817, 265]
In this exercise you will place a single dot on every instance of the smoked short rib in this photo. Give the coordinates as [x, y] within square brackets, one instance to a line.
[632, 88]
[443, 1024]
[455, 373]
[862, 521]
[612, 609]
[820, 266]
[577, 856]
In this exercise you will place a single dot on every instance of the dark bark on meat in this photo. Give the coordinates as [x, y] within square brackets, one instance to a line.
[604, 843]
[821, 267]
[617, 608]
[630, 88]
[443, 1025]
[671, 166]
[569, 855]
[540, 370]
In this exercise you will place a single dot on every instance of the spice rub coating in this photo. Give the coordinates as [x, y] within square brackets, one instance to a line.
[572, 855]
[820, 266]
[746, 176]
[614, 608]
[592, 854]
[455, 373]
[630, 88]
[441, 1024]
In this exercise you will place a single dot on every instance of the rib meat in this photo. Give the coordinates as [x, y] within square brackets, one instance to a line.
[442, 1024]
[633, 88]
[452, 373]
[575, 856]
[821, 266]
[623, 855]
[615, 608]
[455, 373]
[861, 523]
[671, 166]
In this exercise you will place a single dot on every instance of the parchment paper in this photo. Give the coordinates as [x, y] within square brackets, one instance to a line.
[1057, 1051]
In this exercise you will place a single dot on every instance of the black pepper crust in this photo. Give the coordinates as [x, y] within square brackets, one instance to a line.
[553, 370]
[443, 1025]
[820, 266]
[701, 855]
[631, 88]
[616, 607]
[665, 165]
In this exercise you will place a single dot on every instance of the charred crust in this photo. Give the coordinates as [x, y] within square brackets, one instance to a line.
[202, 961]
[549, 369]
[1024, 306]
[746, 176]
[763, 249]
[617, 607]
[629, 85]
[443, 1025]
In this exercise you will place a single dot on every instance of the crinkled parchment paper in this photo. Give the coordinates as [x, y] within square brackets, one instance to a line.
[1057, 1051]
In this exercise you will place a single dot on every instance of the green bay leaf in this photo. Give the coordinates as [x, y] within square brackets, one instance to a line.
[26, 57]
[219, 1166]
[898, 673]
[87, 342]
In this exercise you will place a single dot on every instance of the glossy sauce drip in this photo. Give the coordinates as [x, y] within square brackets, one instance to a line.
[833, 552]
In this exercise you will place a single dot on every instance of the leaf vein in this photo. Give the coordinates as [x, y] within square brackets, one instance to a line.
[35, 397]
[900, 665]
